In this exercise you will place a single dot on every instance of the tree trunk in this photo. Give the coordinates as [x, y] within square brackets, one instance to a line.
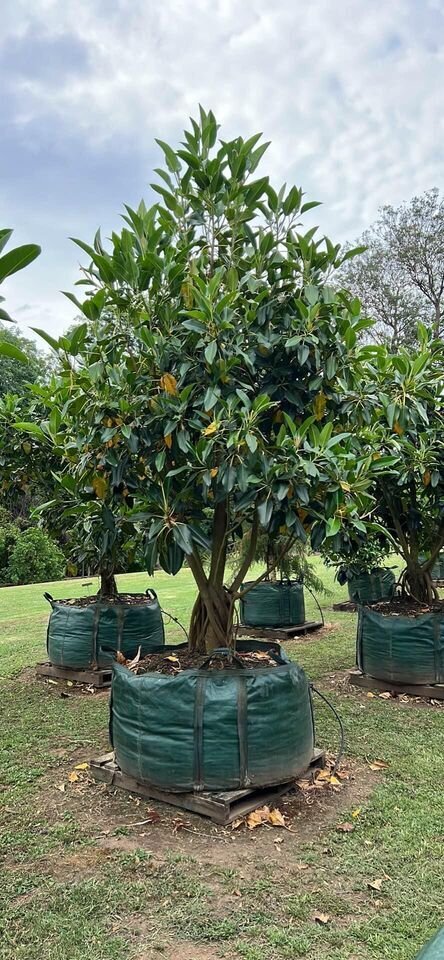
[108, 585]
[211, 624]
[418, 584]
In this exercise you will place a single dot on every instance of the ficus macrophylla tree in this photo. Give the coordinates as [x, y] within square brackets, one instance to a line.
[397, 415]
[231, 343]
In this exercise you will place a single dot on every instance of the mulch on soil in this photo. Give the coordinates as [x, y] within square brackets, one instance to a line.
[173, 664]
[129, 599]
[406, 607]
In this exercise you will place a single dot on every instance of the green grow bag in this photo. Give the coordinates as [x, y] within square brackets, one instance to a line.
[82, 637]
[434, 949]
[273, 604]
[213, 729]
[401, 649]
[438, 568]
[379, 584]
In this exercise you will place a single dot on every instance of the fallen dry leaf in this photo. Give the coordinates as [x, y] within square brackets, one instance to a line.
[385, 696]
[120, 657]
[322, 918]
[61, 787]
[324, 774]
[335, 782]
[73, 777]
[370, 695]
[278, 839]
[132, 664]
[378, 765]
[254, 819]
[355, 813]
[237, 823]
[375, 884]
[276, 819]
[81, 766]
[237, 893]
[345, 827]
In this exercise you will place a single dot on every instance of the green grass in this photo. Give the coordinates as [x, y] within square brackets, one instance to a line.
[63, 896]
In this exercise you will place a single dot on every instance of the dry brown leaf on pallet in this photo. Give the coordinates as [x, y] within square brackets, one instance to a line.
[378, 765]
[322, 918]
[345, 827]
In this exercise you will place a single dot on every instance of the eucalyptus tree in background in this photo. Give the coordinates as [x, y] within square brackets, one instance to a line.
[399, 278]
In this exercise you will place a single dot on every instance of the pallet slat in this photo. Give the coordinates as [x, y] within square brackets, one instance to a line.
[279, 633]
[93, 678]
[430, 691]
[222, 806]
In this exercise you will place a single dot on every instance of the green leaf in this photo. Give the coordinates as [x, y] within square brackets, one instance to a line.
[48, 339]
[29, 427]
[210, 352]
[333, 526]
[265, 512]
[172, 161]
[12, 352]
[17, 259]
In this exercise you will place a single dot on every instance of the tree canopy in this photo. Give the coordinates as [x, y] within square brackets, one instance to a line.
[204, 382]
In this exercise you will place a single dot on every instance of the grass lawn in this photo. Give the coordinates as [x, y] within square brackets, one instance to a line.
[84, 874]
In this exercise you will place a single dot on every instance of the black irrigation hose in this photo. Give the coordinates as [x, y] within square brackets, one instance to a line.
[341, 749]
[316, 602]
[175, 620]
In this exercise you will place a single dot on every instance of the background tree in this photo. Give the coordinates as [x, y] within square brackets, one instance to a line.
[234, 344]
[14, 374]
[400, 276]
[397, 417]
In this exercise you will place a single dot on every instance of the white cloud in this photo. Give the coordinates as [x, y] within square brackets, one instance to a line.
[350, 93]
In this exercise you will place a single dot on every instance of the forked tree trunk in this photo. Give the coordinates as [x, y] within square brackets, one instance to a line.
[417, 583]
[108, 585]
[211, 624]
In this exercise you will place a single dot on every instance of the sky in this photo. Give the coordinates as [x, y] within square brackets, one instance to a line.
[350, 92]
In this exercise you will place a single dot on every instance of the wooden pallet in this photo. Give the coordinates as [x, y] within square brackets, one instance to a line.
[345, 606]
[428, 691]
[93, 678]
[220, 806]
[279, 633]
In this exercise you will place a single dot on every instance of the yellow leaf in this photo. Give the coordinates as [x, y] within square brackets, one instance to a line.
[73, 777]
[397, 428]
[371, 695]
[355, 813]
[210, 429]
[319, 405]
[214, 471]
[81, 766]
[100, 486]
[345, 486]
[257, 817]
[168, 440]
[335, 782]
[169, 383]
[426, 477]
[186, 292]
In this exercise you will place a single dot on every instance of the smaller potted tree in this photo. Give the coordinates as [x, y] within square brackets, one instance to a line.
[359, 567]
[94, 471]
[397, 418]
[278, 600]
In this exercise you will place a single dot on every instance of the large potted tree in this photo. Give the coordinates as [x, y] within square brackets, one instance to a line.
[93, 473]
[359, 566]
[236, 342]
[397, 416]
